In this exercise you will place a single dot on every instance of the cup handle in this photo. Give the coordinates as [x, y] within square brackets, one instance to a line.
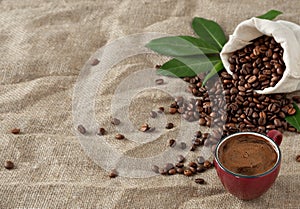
[276, 136]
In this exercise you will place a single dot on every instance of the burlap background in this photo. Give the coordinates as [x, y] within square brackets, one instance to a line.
[43, 46]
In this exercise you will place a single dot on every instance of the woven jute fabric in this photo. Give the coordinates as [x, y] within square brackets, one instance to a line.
[43, 47]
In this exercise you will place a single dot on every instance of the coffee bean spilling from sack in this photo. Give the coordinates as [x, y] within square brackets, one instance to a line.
[256, 66]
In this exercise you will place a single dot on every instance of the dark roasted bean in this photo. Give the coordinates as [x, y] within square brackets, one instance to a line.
[200, 181]
[81, 129]
[9, 165]
[169, 125]
[115, 121]
[119, 136]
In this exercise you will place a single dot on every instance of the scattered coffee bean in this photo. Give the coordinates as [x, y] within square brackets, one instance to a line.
[15, 131]
[180, 158]
[192, 164]
[162, 171]
[153, 114]
[207, 164]
[194, 170]
[115, 121]
[9, 165]
[172, 110]
[119, 136]
[145, 127]
[172, 171]
[101, 131]
[159, 81]
[179, 165]
[155, 169]
[81, 129]
[179, 170]
[182, 145]
[169, 166]
[169, 126]
[95, 62]
[187, 172]
[200, 160]
[198, 134]
[113, 174]
[157, 66]
[161, 110]
[172, 142]
[193, 148]
[201, 168]
[298, 158]
[200, 181]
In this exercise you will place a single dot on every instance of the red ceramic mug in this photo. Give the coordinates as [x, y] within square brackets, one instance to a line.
[249, 187]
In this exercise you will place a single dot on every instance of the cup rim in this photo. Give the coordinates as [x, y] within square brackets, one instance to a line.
[270, 140]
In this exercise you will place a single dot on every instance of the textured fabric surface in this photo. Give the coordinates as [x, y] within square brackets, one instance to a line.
[44, 45]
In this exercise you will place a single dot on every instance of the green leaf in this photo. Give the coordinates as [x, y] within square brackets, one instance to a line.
[209, 31]
[270, 15]
[178, 46]
[294, 120]
[217, 68]
[187, 66]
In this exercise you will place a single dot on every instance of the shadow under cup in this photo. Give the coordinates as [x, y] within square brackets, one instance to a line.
[247, 187]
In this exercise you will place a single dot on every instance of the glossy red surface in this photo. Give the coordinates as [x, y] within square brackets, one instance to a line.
[250, 187]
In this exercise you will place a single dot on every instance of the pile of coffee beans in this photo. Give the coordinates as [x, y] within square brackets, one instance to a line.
[187, 169]
[233, 105]
[258, 65]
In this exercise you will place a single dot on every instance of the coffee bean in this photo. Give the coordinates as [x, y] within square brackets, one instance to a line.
[201, 168]
[101, 131]
[200, 160]
[169, 166]
[200, 181]
[202, 121]
[192, 164]
[180, 170]
[115, 121]
[169, 126]
[145, 127]
[172, 171]
[15, 131]
[180, 158]
[207, 164]
[161, 109]
[182, 145]
[291, 111]
[172, 110]
[113, 174]
[296, 99]
[155, 169]
[9, 165]
[119, 136]
[153, 114]
[198, 134]
[95, 62]
[179, 165]
[162, 171]
[159, 81]
[298, 158]
[187, 172]
[194, 170]
[81, 129]
[172, 142]
[193, 148]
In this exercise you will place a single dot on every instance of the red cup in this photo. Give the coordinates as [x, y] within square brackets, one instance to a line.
[249, 187]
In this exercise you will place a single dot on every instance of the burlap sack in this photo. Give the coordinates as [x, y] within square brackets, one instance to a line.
[284, 32]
